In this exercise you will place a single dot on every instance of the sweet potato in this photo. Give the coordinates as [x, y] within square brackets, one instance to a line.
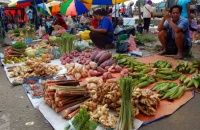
[94, 54]
[94, 73]
[104, 57]
[107, 63]
[99, 55]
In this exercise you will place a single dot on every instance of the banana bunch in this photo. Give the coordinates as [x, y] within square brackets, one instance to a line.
[189, 82]
[167, 74]
[169, 90]
[196, 64]
[145, 81]
[132, 64]
[185, 68]
[162, 64]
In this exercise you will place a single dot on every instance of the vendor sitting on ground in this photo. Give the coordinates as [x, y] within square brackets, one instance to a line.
[84, 20]
[60, 21]
[104, 33]
[174, 30]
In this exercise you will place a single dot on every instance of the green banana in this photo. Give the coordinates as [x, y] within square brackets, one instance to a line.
[164, 88]
[144, 78]
[187, 80]
[121, 61]
[186, 64]
[195, 76]
[172, 96]
[163, 64]
[178, 94]
[173, 84]
[167, 72]
[196, 83]
[151, 80]
[168, 65]
[182, 78]
[158, 85]
[143, 84]
[147, 70]
[170, 92]
[181, 93]
[192, 70]
[190, 83]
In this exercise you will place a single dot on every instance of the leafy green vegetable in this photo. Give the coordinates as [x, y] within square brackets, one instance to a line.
[19, 45]
[144, 38]
[16, 31]
[81, 121]
[89, 125]
[16, 34]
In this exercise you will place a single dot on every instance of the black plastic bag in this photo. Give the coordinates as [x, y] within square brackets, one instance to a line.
[122, 48]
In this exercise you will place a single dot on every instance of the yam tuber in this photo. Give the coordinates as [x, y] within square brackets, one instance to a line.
[104, 57]
[99, 55]
[94, 73]
[94, 54]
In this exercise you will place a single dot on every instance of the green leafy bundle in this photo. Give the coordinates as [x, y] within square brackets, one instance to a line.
[126, 117]
[19, 45]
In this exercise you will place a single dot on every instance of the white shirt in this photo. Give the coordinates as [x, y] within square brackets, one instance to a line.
[146, 13]
[117, 10]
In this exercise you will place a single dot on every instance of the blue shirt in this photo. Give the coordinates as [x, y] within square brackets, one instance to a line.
[105, 23]
[182, 23]
[184, 3]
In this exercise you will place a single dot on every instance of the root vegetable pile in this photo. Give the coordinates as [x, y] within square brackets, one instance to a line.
[145, 101]
[76, 70]
[33, 67]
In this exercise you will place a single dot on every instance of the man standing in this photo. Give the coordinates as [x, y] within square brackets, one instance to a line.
[174, 32]
[115, 14]
[16, 18]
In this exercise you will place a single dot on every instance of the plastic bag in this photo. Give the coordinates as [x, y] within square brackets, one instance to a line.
[117, 29]
[81, 45]
[122, 48]
[132, 44]
[85, 35]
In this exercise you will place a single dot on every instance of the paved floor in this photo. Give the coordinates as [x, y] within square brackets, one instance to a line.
[17, 113]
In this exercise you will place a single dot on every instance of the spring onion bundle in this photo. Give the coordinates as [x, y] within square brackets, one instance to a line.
[126, 117]
[65, 43]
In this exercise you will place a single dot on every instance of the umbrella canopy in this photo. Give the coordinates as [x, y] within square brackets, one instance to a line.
[4, 1]
[44, 9]
[53, 3]
[16, 4]
[103, 2]
[74, 8]
[34, 1]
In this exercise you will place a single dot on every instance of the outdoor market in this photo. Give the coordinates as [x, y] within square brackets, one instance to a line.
[95, 64]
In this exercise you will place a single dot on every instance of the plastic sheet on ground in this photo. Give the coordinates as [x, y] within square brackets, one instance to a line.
[58, 123]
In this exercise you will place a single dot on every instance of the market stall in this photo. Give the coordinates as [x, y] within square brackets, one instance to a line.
[65, 79]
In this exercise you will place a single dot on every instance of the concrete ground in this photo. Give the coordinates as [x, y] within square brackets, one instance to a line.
[17, 113]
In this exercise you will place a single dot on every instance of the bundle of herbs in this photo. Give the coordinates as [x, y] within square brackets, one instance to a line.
[126, 117]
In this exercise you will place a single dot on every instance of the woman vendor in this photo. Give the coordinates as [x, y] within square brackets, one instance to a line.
[60, 21]
[104, 33]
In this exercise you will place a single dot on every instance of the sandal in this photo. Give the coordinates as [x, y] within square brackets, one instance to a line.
[178, 57]
[162, 53]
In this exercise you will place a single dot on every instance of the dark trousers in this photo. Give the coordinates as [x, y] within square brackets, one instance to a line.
[99, 39]
[115, 21]
[147, 22]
